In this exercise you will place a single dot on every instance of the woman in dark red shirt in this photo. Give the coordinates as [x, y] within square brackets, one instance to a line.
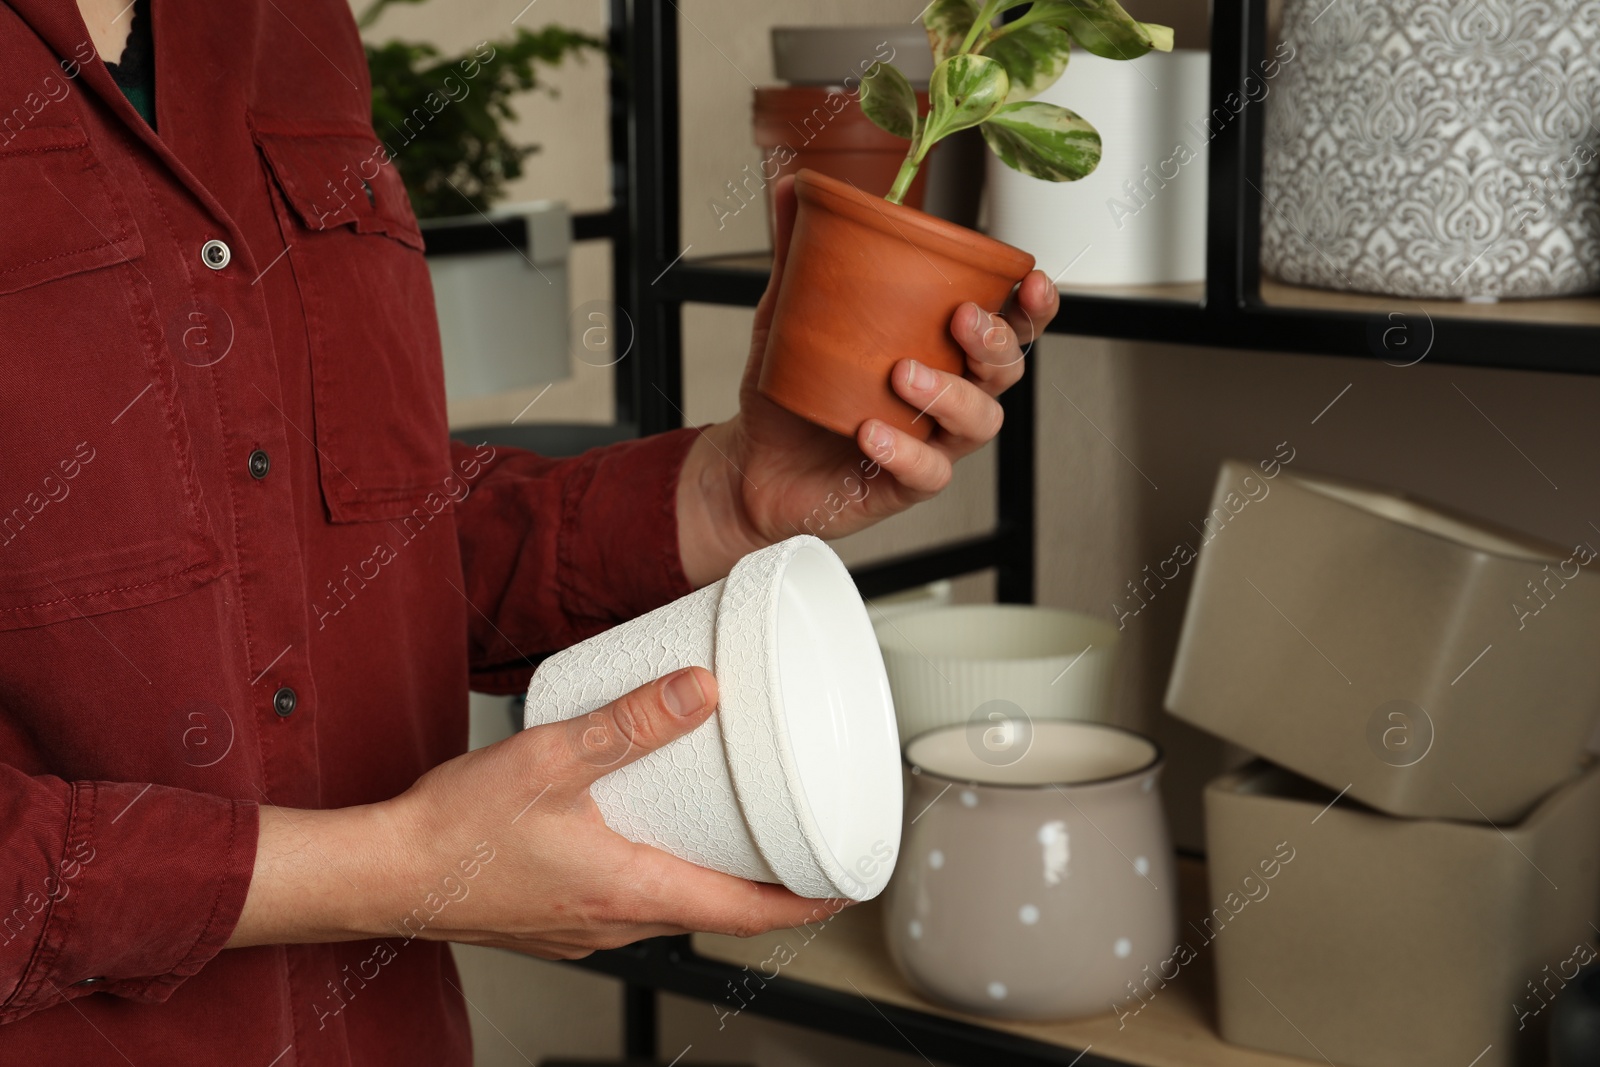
[239, 556]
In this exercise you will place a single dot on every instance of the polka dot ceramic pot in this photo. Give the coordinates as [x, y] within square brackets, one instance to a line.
[1036, 876]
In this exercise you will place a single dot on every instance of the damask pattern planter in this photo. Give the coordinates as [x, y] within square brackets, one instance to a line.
[1430, 148]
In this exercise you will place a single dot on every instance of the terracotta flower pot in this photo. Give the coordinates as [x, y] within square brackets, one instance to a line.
[866, 284]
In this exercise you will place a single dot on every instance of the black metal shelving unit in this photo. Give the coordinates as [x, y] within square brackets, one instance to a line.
[652, 281]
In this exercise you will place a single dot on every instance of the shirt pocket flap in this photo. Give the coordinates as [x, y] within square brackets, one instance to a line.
[338, 175]
[377, 378]
[46, 165]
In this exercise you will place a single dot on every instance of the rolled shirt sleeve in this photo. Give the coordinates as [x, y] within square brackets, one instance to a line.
[114, 887]
[555, 551]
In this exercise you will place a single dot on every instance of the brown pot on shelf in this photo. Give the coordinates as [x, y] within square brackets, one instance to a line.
[866, 284]
[823, 129]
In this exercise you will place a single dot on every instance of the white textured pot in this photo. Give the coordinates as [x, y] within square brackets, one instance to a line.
[796, 779]
[950, 665]
[1140, 217]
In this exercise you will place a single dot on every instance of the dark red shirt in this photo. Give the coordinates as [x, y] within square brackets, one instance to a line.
[237, 549]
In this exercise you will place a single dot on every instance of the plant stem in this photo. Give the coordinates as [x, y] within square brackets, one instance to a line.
[903, 180]
[1028, 18]
[908, 170]
[979, 25]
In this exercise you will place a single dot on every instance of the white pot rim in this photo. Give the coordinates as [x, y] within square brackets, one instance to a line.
[927, 633]
[1113, 754]
[798, 660]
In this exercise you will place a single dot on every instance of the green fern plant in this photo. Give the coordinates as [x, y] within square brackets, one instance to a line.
[444, 119]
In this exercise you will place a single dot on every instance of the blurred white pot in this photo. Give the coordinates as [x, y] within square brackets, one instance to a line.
[503, 313]
[1140, 217]
[982, 664]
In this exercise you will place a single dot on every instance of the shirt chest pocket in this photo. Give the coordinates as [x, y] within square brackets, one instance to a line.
[100, 506]
[377, 377]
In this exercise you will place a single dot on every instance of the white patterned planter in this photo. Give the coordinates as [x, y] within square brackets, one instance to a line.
[1434, 148]
[796, 779]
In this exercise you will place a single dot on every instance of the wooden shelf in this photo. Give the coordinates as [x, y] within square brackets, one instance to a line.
[760, 264]
[1176, 1028]
[1177, 293]
[1560, 311]
[1552, 335]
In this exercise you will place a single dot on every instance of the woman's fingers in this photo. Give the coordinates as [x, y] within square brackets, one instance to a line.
[921, 468]
[575, 753]
[1033, 306]
[994, 354]
[965, 410]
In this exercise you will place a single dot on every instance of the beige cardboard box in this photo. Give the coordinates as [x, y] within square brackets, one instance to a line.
[1432, 665]
[1344, 934]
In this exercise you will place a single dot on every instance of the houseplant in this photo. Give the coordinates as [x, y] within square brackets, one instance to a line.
[444, 121]
[869, 282]
[447, 115]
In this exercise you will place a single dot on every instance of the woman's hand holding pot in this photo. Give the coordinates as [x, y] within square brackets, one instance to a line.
[503, 846]
[768, 474]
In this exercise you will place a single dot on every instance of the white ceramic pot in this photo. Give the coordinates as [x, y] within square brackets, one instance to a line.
[1430, 664]
[1140, 217]
[796, 778]
[909, 601]
[503, 314]
[1369, 932]
[950, 665]
[1035, 886]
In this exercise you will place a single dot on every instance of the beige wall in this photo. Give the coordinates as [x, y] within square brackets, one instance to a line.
[1174, 411]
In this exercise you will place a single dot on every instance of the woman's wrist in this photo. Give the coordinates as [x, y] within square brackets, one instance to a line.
[323, 876]
[714, 526]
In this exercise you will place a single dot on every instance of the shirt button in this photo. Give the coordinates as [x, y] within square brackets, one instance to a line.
[215, 254]
[283, 701]
[260, 464]
[372, 197]
[89, 981]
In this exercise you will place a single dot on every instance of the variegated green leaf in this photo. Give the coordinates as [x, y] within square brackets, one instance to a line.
[964, 91]
[1161, 37]
[1034, 57]
[947, 23]
[889, 101]
[1103, 27]
[1043, 141]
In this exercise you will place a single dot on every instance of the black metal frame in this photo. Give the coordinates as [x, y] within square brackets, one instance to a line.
[670, 964]
[651, 283]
